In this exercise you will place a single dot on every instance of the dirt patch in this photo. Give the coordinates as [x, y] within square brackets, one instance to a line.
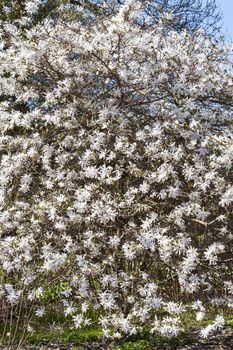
[219, 341]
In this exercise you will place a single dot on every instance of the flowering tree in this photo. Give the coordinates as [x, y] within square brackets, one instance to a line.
[116, 162]
[187, 14]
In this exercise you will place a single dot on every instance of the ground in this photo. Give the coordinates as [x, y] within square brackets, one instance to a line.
[221, 341]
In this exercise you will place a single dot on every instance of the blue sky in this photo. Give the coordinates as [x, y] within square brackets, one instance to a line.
[226, 7]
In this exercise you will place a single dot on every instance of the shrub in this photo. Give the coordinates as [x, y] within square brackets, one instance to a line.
[116, 161]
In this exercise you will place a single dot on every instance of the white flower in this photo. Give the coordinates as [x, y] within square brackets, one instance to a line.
[129, 251]
[200, 315]
[12, 294]
[32, 6]
[212, 251]
[91, 172]
[69, 310]
[114, 241]
[78, 320]
[107, 300]
[40, 312]
[206, 331]
[30, 329]
[218, 324]
[25, 183]
[54, 261]
[227, 197]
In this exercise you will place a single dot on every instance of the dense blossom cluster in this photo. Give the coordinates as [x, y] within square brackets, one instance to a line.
[116, 170]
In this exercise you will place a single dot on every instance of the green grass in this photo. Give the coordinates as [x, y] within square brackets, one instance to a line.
[67, 336]
[229, 320]
[137, 345]
[147, 341]
[53, 327]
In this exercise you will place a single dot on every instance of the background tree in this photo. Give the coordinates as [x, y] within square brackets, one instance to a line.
[188, 14]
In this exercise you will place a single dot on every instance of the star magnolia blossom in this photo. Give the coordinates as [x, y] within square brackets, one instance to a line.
[116, 169]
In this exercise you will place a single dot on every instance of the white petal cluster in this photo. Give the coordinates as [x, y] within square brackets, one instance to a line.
[218, 324]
